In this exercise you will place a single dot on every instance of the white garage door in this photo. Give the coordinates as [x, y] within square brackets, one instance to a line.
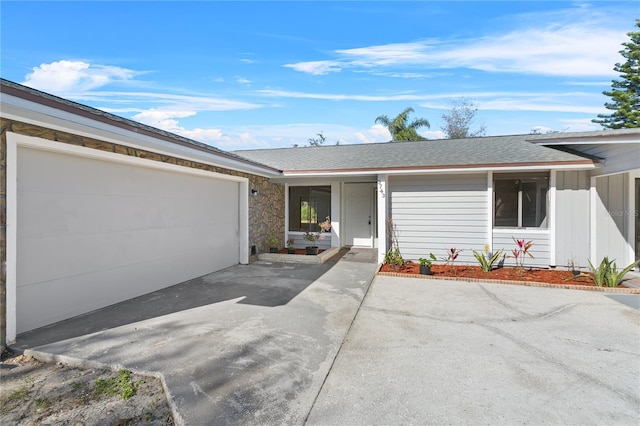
[91, 233]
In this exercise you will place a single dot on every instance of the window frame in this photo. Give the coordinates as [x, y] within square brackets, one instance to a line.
[542, 193]
[294, 209]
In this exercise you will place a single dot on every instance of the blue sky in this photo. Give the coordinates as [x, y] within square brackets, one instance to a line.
[242, 75]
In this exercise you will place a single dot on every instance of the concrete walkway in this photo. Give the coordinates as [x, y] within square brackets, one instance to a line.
[250, 345]
[284, 344]
[425, 352]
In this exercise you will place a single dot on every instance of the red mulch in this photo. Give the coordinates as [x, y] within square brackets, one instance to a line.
[298, 251]
[549, 276]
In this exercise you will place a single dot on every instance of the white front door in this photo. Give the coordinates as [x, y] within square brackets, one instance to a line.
[359, 201]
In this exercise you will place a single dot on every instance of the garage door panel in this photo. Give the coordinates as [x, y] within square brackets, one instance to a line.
[86, 253]
[146, 230]
[74, 296]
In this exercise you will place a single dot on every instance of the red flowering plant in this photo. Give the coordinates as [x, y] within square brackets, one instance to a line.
[519, 253]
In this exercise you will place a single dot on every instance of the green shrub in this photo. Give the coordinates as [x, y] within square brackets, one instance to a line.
[486, 261]
[607, 274]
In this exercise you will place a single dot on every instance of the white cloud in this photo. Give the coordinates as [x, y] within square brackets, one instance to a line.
[65, 77]
[379, 133]
[560, 46]
[316, 67]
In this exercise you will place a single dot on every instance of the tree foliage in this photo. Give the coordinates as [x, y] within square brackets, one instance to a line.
[317, 141]
[457, 122]
[625, 93]
[400, 127]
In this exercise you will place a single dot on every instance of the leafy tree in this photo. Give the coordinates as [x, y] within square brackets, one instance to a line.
[458, 120]
[400, 127]
[317, 141]
[625, 93]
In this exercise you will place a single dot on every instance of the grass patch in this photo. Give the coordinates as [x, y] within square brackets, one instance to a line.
[121, 385]
[14, 398]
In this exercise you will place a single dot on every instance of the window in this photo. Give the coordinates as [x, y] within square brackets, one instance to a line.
[520, 201]
[308, 206]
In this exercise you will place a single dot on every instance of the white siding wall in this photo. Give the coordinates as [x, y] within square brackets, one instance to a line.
[611, 220]
[572, 217]
[503, 239]
[435, 213]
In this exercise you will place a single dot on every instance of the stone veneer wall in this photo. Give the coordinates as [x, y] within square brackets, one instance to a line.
[266, 210]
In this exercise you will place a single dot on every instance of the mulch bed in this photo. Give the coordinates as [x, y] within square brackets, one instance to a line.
[510, 275]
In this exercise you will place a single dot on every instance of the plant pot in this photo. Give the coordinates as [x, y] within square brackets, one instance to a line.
[425, 270]
[311, 250]
[273, 249]
[291, 251]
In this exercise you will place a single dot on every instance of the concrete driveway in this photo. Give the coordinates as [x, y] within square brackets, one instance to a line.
[444, 352]
[284, 344]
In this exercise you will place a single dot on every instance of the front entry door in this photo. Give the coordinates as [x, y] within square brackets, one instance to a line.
[359, 214]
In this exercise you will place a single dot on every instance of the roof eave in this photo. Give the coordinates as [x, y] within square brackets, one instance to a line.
[465, 168]
[70, 107]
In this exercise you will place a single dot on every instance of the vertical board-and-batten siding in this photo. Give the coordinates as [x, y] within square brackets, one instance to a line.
[435, 213]
[572, 218]
[611, 220]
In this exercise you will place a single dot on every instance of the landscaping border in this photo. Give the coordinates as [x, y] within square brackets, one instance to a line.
[616, 290]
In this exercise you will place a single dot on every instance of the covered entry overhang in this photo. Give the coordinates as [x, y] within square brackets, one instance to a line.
[350, 201]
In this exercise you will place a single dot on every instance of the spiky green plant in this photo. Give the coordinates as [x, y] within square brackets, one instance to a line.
[606, 273]
[486, 260]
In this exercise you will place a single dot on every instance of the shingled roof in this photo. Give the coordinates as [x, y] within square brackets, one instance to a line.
[493, 151]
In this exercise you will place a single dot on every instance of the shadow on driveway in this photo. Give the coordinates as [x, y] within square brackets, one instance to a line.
[261, 283]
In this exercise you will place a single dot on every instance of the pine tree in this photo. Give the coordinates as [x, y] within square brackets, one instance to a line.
[625, 93]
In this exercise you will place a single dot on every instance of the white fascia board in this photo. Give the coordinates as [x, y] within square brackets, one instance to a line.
[447, 170]
[592, 140]
[18, 109]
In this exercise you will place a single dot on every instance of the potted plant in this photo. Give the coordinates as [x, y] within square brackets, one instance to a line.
[290, 248]
[272, 242]
[425, 264]
[313, 237]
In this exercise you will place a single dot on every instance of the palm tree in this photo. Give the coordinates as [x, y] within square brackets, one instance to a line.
[401, 130]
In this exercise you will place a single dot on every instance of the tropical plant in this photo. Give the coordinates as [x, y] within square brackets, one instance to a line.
[290, 242]
[272, 241]
[451, 255]
[428, 261]
[400, 127]
[625, 93]
[457, 122]
[521, 250]
[450, 258]
[606, 273]
[486, 259]
[315, 236]
[393, 256]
